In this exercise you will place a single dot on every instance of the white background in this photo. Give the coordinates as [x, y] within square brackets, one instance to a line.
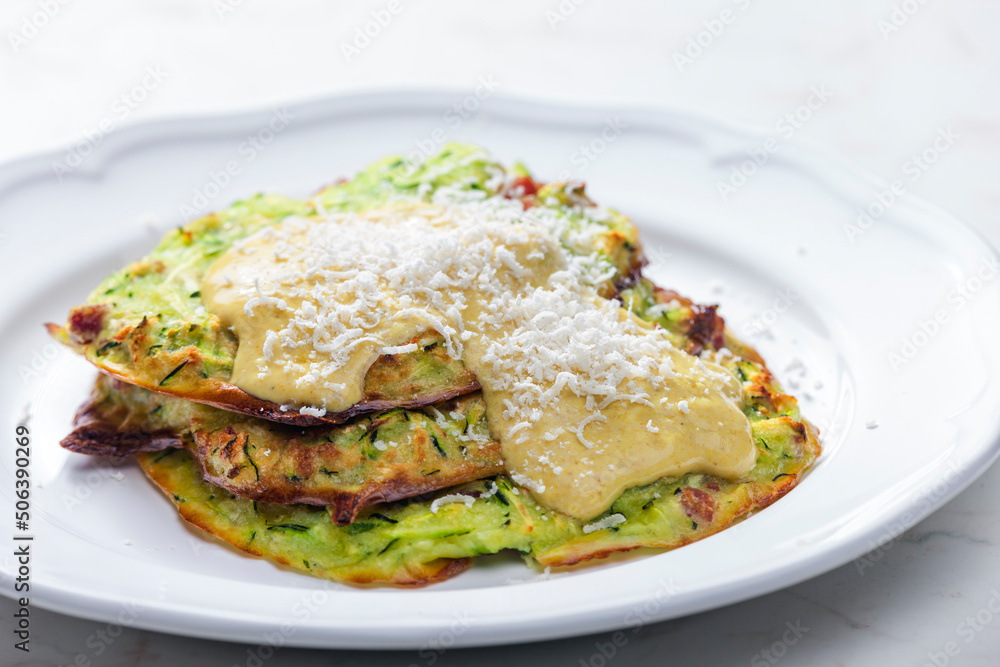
[896, 80]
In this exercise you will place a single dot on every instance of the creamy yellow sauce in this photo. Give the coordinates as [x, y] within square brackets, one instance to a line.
[226, 290]
[315, 302]
[636, 445]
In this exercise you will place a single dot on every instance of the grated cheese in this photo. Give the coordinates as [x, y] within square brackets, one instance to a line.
[400, 349]
[451, 498]
[512, 293]
[606, 522]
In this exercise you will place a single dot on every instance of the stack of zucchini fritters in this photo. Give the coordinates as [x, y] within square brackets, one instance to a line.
[389, 491]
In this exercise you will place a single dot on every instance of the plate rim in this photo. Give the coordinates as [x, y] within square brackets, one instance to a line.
[35, 165]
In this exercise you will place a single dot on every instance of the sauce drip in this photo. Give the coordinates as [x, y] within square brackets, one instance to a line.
[585, 399]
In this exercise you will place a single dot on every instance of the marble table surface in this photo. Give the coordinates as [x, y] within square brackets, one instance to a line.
[899, 71]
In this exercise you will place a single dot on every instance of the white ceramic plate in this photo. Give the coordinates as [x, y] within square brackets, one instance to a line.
[775, 255]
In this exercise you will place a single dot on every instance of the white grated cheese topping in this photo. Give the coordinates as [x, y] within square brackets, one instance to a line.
[527, 482]
[450, 499]
[399, 349]
[512, 293]
[606, 522]
[416, 265]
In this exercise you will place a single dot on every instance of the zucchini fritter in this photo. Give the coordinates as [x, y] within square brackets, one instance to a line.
[418, 540]
[147, 324]
[423, 540]
[377, 458]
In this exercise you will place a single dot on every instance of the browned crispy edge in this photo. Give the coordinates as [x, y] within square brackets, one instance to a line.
[426, 573]
[809, 439]
[704, 329]
[226, 396]
[98, 434]
[87, 322]
[345, 504]
[94, 434]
